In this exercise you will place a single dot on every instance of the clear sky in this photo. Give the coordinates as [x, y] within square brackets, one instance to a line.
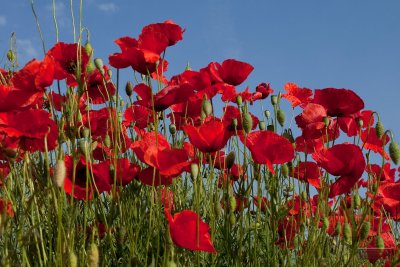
[314, 43]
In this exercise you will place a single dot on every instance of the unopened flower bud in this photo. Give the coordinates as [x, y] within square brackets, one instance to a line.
[274, 100]
[230, 159]
[172, 129]
[232, 219]
[379, 129]
[217, 209]
[93, 255]
[83, 147]
[271, 128]
[109, 73]
[326, 121]
[10, 56]
[338, 229]
[285, 170]
[88, 48]
[247, 122]
[194, 171]
[347, 232]
[107, 141]
[239, 100]
[232, 203]
[325, 223]
[261, 125]
[364, 231]
[171, 264]
[207, 107]
[357, 201]
[98, 62]
[128, 88]
[234, 123]
[86, 132]
[359, 122]
[73, 260]
[304, 195]
[59, 174]
[380, 243]
[280, 116]
[394, 152]
[267, 114]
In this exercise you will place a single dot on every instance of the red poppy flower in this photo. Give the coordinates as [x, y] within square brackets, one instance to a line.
[170, 29]
[152, 177]
[188, 231]
[126, 172]
[338, 102]
[268, 148]
[311, 121]
[350, 126]
[211, 136]
[374, 143]
[79, 186]
[388, 198]
[31, 127]
[374, 253]
[148, 140]
[167, 198]
[344, 160]
[138, 116]
[385, 173]
[12, 98]
[35, 76]
[308, 146]
[297, 95]
[70, 61]
[263, 90]
[165, 98]
[100, 88]
[231, 71]
[308, 172]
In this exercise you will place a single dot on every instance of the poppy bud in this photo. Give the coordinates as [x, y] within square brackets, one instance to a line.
[217, 209]
[232, 203]
[326, 121]
[347, 232]
[90, 67]
[234, 123]
[93, 254]
[88, 48]
[11, 56]
[380, 243]
[83, 146]
[59, 173]
[10, 153]
[365, 227]
[338, 229]
[357, 201]
[274, 100]
[171, 264]
[230, 160]
[325, 223]
[262, 125]
[239, 100]
[379, 129]
[128, 88]
[109, 72]
[394, 152]
[172, 129]
[280, 115]
[98, 62]
[247, 122]
[107, 141]
[188, 67]
[232, 219]
[360, 122]
[267, 114]
[207, 107]
[85, 132]
[194, 171]
[284, 170]
[288, 135]
[304, 195]
[73, 260]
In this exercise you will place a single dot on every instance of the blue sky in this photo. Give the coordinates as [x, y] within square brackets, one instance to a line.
[316, 44]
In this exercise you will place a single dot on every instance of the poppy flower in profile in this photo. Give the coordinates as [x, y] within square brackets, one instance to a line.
[296, 95]
[231, 71]
[188, 230]
[374, 143]
[211, 136]
[308, 172]
[268, 148]
[170, 29]
[263, 90]
[350, 125]
[338, 102]
[70, 61]
[388, 199]
[343, 160]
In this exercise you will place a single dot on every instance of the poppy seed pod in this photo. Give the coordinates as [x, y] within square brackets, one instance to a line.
[128, 88]
[379, 128]
[93, 255]
[280, 116]
[230, 160]
[365, 227]
[60, 172]
[247, 122]
[394, 152]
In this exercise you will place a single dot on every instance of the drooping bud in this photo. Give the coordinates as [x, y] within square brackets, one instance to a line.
[239, 100]
[128, 88]
[194, 171]
[247, 122]
[347, 232]
[230, 159]
[10, 56]
[394, 152]
[59, 174]
[172, 129]
[98, 62]
[267, 114]
[280, 116]
[207, 107]
[379, 129]
[93, 256]
[89, 48]
[364, 231]
[261, 125]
